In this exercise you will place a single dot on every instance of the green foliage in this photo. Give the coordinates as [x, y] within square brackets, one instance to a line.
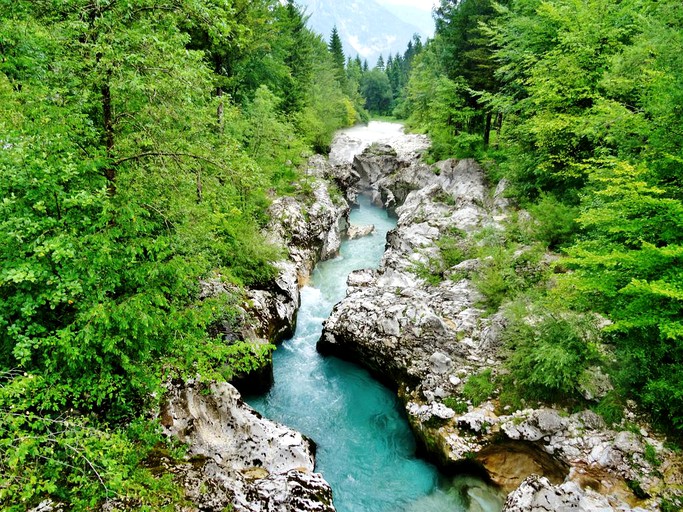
[507, 271]
[458, 406]
[672, 504]
[611, 408]
[431, 271]
[650, 455]
[479, 387]
[452, 250]
[139, 143]
[336, 49]
[73, 458]
[244, 357]
[588, 132]
[629, 269]
[376, 89]
[549, 351]
[554, 221]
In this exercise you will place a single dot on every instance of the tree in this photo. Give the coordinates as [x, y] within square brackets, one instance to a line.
[380, 63]
[468, 53]
[377, 92]
[629, 268]
[337, 50]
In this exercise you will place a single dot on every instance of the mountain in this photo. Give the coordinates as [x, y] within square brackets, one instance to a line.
[365, 27]
[420, 17]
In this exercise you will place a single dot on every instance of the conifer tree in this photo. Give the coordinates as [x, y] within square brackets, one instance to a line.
[336, 49]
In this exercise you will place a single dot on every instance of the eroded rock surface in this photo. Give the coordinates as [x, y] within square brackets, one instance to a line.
[359, 231]
[311, 229]
[427, 338]
[538, 494]
[239, 459]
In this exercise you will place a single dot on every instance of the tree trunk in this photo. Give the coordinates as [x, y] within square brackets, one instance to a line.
[219, 109]
[199, 186]
[110, 170]
[487, 129]
[499, 127]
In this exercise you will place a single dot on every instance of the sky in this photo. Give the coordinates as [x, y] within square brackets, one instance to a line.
[425, 5]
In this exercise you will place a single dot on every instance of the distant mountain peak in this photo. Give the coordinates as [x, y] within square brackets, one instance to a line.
[366, 28]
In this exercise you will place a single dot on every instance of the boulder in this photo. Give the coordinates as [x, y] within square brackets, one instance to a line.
[238, 458]
[354, 231]
[537, 494]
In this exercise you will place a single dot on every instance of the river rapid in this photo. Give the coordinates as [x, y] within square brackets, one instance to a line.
[365, 448]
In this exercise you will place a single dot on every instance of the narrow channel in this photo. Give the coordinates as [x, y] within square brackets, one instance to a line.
[366, 450]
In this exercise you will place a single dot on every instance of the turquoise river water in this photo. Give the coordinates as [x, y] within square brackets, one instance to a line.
[366, 450]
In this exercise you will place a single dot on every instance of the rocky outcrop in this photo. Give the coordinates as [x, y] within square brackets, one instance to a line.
[310, 227]
[427, 337]
[237, 458]
[359, 231]
[392, 320]
[537, 494]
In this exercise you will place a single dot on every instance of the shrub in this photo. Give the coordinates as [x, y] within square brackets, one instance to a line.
[611, 409]
[555, 222]
[452, 251]
[549, 351]
[479, 387]
[458, 406]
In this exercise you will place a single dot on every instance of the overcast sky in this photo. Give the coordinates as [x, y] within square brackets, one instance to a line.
[425, 5]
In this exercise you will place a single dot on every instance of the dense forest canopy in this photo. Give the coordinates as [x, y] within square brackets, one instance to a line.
[140, 141]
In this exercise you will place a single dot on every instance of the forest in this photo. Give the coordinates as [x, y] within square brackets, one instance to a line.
[142, 140]
[581, 114]
[140, 143]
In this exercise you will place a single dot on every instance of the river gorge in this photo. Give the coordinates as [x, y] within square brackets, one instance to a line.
[364, 295]
[365, 448]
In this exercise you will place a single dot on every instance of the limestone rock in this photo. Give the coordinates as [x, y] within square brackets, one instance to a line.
[628, 443]
[250, 462]
[47, 506]
[427, 336]
[440, 363]
[359, 231]
[537, 494]
[595, 384]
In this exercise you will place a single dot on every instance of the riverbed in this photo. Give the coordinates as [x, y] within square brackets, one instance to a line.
[365, 448]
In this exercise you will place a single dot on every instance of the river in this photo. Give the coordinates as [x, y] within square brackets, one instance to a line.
[366, 450]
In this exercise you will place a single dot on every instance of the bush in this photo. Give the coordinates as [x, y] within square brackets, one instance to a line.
[479, 387]
[549, 351]
[72, 458]
[555, 222]
[452, 251]
[458, 406]
[506, 271]
[611, 409]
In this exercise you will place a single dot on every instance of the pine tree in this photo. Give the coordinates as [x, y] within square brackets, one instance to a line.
[336, 49]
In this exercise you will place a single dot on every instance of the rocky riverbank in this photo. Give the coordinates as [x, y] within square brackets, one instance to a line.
[428, 336]
[236, 458]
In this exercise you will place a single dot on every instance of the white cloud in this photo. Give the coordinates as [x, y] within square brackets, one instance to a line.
[425, 5]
